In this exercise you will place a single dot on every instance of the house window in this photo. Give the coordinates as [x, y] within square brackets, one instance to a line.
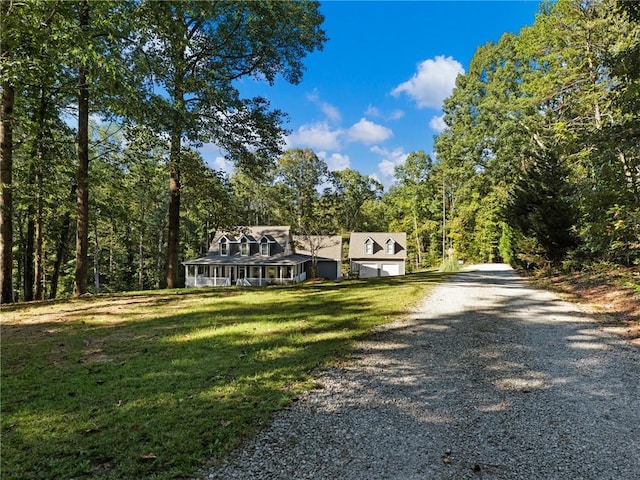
[391, 247]
[264, 248]
[244, 248]
[368, 247]
[224, 247]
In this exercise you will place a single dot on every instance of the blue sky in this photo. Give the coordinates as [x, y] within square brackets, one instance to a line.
[374, 93]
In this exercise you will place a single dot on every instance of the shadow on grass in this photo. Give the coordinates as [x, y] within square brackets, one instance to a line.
[508, 382]
[151, 385]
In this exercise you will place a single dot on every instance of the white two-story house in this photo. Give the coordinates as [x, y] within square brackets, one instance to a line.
[261, 255]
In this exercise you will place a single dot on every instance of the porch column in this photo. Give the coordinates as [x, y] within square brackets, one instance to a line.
[186, 275]
[215, 276]
[260, 275]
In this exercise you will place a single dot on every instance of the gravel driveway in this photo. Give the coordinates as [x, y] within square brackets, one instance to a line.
[489, 379]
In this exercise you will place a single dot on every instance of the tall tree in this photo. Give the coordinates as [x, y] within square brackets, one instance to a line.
[196, 53]
[33, 79]
[549, 101]
[208, 204]
[541, 205]
[582, 96]
[351, 191]
[300, 174]
[6, 195]
[255, 198]
[412, 199]
[82, 176]
[106, 84]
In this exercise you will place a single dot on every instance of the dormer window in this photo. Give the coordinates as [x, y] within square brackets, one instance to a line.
[391, 246]
[224, 247]
[264, 247]
[368, 246]
[244, 248]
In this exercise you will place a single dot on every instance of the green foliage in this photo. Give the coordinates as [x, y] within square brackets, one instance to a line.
[168, 69]
[541, 207]
[351, 191]
[539, 162]
[299, 175]
[415, 206]
[543, 139]
[451, 264]
[506, 245]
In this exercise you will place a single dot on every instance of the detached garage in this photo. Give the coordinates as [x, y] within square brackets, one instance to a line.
[377, 254]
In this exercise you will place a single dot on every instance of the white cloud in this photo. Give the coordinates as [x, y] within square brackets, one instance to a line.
[336, 161]
[368, 132]
[372, 111]
[396, 115]
[318, 135]
[390, 160]
[224, 165]
[432, 83]
[387, 167]
[437, 124]
[330, 111]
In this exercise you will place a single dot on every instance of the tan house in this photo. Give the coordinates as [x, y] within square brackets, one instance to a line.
[260, 255]
[377, 254]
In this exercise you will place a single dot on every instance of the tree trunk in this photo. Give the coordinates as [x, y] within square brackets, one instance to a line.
[418, 249]
[82, 177]
[158, 272]
[61, 250]
[141, 254]
[96, 260]
[39, 255]
[39, 158]
[173, 238]
[6, 196]
[28, 274]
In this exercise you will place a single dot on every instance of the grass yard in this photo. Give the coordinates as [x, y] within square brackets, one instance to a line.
[154, 384]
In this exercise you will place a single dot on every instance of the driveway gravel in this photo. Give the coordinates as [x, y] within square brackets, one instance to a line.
[487, 379]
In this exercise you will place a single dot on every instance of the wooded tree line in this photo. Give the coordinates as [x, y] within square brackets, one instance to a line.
[539, 165]
[165, 73]
[541, 156]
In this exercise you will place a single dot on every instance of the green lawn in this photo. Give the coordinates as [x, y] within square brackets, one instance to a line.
[156, 383]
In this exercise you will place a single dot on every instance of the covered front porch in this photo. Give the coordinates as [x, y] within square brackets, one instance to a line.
[207, 275]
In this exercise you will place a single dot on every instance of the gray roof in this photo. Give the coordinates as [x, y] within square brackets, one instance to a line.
[253, 260]
[358, 239]
[329, 247]
[279, 234]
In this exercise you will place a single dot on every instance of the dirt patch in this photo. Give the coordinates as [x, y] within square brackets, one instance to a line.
[613, 296]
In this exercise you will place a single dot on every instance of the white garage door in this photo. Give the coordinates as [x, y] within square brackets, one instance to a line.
[390, 270]
[368, 270]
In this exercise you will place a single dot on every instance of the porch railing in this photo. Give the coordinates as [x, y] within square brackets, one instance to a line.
[204, 281]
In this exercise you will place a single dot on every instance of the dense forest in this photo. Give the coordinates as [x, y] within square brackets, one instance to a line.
[104, 105]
